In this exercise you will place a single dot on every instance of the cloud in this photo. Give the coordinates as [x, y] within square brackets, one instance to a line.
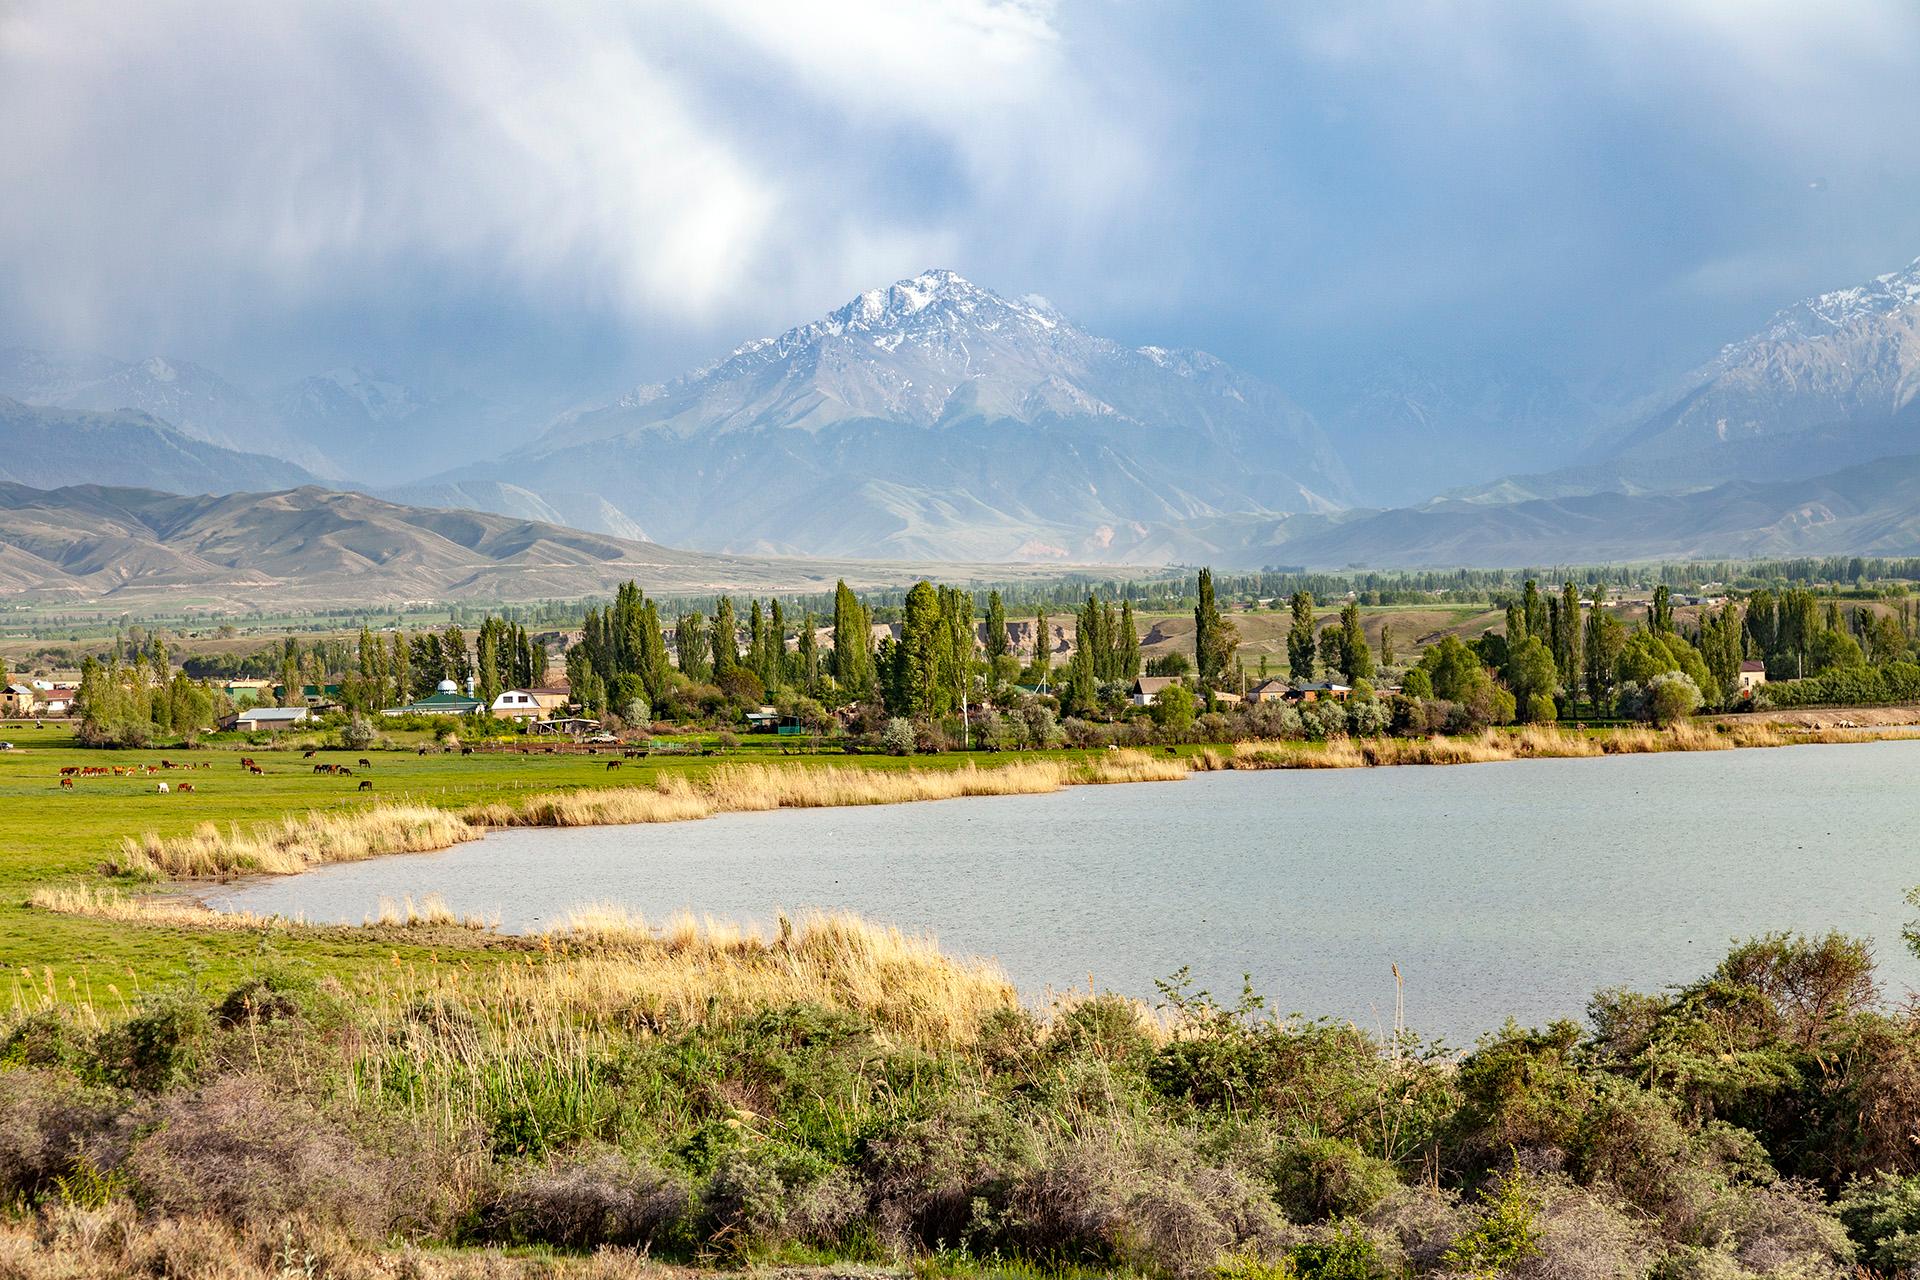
[521, 182]
[182, 160]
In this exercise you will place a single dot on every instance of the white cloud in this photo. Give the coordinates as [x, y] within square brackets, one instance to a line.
[185, 157]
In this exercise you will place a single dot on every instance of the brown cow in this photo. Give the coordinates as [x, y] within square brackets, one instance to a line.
[185, 788]
[254, 768]
[66, 784]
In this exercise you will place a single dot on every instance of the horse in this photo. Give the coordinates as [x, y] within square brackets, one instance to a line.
[366, 784]
[613, 764]
[365, 763]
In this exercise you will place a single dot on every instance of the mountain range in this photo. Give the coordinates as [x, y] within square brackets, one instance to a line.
[938, 420]
[311, 547]
[933, 418]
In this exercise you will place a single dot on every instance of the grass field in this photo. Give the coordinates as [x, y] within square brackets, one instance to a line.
[423, 1098]
[54, 837]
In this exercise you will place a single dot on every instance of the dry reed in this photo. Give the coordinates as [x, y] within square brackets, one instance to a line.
[110, 904]
[293, 844]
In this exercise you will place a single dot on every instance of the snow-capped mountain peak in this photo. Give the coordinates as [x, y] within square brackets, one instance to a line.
[1837, 309]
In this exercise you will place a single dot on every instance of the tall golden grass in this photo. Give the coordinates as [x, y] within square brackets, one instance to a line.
[620, 966]
[293, 844]
[111, 904]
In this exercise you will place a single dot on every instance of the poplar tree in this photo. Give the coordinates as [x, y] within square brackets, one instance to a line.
[808, 656]
[690, 641]
[996, 640]
[1356, 655]
[726, 645]
[1214, 638]
[1300, 637]
[853, 664]
[1042, 649]
[1127, 646]
[1660, 612]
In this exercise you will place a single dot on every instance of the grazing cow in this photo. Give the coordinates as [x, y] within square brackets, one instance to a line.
[68, 770]
[366, 784]
[613, 764]
[466, 751]
[246, 762]
[184, 788]
[254, 768]
[168, 764]
[423, 751]
[66, 784]
[308, 753]
[365, 763]
[163, 788]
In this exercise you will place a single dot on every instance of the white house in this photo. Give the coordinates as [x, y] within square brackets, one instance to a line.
[518, 704]
[1752, 675]
[272, 719]
[1146, 688]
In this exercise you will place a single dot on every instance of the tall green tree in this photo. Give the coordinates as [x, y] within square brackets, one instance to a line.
[1300, 647]
[1214, 638]
[1042, 650]
[853, 665]
[923, 635]
[695, 650]
[1355, 654]
[996, 640]
[1127, 644]
[726, 642]
[1660, 612]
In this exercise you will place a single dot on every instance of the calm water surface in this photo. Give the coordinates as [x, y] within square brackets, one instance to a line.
[1515, 888]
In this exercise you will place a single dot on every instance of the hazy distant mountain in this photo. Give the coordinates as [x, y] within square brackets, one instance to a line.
[196, 401]
[934, 419]
[382, 431]
[48, 447]
[1411, 427]
[1828, 381]
[1868, 509]
[311, 546]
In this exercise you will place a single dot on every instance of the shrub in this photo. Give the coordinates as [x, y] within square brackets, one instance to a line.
[52, 1132]
[1671, 696]
[158, 1046]
[1173, 710]
[1505, 1234]
[589, 1200]
[1320, 1177]
[357, 733]
[1344, 1254]
[242, 1151]
[1882, 1217]
[898, 737]
[1139, 1202]
[1540, 709]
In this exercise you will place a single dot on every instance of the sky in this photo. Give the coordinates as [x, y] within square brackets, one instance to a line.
[574, 197]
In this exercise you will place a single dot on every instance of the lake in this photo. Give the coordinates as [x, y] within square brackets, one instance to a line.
[1499, 889]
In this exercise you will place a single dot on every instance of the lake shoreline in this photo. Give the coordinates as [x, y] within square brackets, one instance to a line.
[191, 867]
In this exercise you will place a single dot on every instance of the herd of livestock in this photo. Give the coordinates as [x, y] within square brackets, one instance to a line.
[73, 772]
